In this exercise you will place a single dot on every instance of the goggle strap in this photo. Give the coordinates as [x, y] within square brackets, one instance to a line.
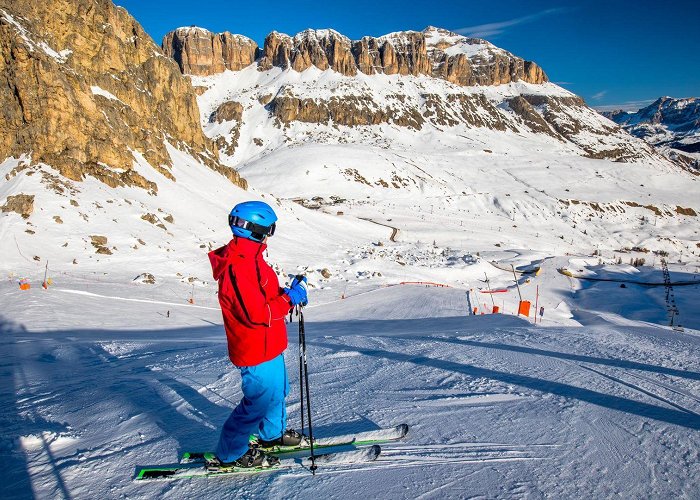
[257, 230]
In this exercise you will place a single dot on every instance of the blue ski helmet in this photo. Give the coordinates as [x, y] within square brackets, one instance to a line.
[252, 220]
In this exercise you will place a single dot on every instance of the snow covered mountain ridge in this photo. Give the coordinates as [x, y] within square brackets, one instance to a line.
[409, 79]
[670, 124]
[433, 51]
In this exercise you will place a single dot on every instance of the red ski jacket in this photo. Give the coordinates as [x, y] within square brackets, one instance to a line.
[252, 303]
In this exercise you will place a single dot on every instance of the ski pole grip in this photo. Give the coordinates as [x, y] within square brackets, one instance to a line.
[299, 278]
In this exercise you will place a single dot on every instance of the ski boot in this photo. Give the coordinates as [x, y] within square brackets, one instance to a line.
[253, 458]
[290, 439]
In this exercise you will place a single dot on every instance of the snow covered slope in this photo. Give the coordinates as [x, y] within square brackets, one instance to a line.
[517, 165]
[497, 407]
[90, 230]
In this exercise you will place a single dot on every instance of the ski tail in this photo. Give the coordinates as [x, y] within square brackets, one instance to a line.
[350, 457]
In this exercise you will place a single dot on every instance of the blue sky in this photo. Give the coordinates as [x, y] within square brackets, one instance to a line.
[612, 53]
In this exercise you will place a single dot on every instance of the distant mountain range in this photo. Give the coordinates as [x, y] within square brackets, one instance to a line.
[412, 81]
[671, 125]
[116, 151]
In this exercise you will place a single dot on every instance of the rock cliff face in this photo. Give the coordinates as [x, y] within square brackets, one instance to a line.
[323, 49]
[83, 87]
[363, 109]
[433, 52]
[472, 61]
[463, 83]
[201, 52]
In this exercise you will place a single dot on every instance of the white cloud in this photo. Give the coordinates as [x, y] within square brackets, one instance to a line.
[599, 95]
[625, 106]
[493, 29]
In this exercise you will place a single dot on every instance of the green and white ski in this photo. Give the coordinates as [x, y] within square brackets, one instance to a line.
[377, 436]
[188, 471]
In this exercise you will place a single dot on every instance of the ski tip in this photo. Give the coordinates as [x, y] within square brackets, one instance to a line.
[402, 429]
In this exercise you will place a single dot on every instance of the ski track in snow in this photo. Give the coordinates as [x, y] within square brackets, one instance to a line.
[497, 407]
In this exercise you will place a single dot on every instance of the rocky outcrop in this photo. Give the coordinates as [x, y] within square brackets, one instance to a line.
[434, 52]
[100, 244]
[530, 117]
[22, 204]
[323, 49]
[228, 111]
[201, 52]
[404, 53]
[357, 110]
[473, 61]
[456, 69]
[474, 110]
[571, 119]
[83, 87]
[276, 52]
[367, 56]
[556, 113]
[532, 73]
[347, 110]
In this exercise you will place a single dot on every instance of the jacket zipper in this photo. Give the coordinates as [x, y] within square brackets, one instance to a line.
[257, 270]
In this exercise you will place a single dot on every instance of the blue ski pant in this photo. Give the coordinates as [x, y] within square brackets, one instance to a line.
[262, 409]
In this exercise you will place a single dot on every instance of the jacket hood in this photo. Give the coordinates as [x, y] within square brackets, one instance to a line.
[221, 257]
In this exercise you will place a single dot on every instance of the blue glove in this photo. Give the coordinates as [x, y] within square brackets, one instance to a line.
[297, 292]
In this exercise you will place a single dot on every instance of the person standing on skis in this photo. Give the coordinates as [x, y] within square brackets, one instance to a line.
[254, 308]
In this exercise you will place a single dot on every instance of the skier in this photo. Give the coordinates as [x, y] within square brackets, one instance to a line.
[254, 307]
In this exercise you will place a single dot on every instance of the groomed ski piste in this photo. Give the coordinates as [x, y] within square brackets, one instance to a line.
[99, 381]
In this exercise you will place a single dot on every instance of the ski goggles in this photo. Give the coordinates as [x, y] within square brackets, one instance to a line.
[257, 231]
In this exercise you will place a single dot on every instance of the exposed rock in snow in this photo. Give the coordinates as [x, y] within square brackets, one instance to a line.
[22, 204]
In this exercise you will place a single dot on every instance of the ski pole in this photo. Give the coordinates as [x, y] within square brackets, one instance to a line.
[302, 335]
[301, 373]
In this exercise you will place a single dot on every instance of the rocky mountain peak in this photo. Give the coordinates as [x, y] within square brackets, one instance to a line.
[673, 112]
[670, 124]
[440, 31]
[193, 31]
[200, 52]
[433, 52]
[85, 90]
[319, 34]
[324, 49]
